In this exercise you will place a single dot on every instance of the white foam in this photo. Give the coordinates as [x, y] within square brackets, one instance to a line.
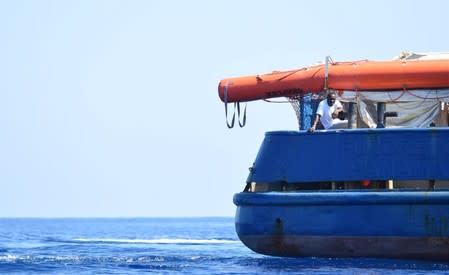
[159, 241]
[8, 258]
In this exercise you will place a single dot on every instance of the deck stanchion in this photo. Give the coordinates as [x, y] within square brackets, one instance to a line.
[381, 106]
[352, 115]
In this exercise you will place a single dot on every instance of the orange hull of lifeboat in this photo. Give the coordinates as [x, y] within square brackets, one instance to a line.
[349, 76]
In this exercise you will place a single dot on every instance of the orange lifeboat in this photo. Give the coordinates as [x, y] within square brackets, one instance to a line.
[349, 76]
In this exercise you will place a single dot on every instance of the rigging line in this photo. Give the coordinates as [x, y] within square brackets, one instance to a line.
[363, 97]
[405, 108]
[427, 97]
[350, 62]
[289, 73]
[423, 99]
[404, 91]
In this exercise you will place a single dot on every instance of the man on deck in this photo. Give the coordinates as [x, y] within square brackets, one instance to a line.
[327, 114]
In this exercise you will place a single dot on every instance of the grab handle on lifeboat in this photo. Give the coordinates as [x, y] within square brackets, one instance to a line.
[225, 95]
[236, 106]
[241, 124]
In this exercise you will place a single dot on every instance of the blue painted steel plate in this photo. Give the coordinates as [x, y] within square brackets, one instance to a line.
[353, 155]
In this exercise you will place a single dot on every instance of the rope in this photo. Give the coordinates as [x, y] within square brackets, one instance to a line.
[420, 97]
[404, 91]
[427, 97]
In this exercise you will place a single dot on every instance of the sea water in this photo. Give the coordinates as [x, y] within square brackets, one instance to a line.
[162, 246]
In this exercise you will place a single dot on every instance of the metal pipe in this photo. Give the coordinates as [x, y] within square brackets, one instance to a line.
[352, 115]
[381, 106]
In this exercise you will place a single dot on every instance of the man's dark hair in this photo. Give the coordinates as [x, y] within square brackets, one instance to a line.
[331, 93]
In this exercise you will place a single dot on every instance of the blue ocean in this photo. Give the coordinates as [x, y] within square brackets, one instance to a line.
[162, 246]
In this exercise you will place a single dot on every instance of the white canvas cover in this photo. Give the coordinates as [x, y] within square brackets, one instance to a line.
[415, 108]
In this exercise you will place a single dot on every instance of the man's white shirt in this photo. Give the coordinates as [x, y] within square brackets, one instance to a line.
[325, 111]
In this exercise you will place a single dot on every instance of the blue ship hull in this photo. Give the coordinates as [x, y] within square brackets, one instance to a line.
[283, 211]
[396, 224]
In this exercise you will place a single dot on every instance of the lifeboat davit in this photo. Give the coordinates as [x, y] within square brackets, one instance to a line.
[345, 76]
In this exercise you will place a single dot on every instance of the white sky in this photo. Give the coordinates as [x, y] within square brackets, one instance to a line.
[110, 108]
